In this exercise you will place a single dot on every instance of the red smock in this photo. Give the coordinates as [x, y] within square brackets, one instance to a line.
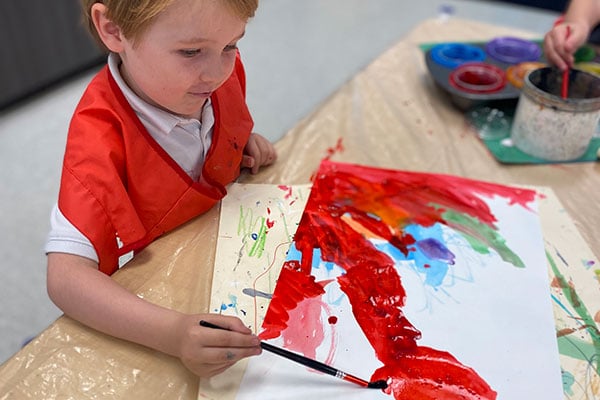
[117, 182]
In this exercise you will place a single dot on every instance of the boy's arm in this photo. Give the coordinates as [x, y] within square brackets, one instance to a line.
[580, 17]
[83, 293]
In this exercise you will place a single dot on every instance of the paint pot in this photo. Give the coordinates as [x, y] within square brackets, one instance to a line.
[512, 50]
[591, 67]
[478, 77]
[516, 73]
[451, 55]
[585, 53]
[550, 127]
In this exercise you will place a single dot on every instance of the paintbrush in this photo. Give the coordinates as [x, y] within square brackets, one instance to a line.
[308, 362]
[565, 80]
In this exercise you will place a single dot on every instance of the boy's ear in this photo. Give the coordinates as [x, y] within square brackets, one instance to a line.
[109, 32]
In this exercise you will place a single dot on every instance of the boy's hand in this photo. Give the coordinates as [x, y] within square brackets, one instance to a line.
[207, 352]
[257, 153]
[559, 49]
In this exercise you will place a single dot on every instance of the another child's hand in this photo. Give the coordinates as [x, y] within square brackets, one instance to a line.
[257, 153]
[206, 351]
[559, 49]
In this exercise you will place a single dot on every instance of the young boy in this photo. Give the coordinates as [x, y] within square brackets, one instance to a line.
[581, 17]
[158, 134]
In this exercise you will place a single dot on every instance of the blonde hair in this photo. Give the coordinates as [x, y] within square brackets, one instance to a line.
[135, 16]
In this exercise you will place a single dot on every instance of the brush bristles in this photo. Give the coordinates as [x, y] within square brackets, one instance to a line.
[378, 385]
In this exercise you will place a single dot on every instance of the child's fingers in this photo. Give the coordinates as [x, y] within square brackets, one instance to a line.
[554, 51]
[216, 338]
[220, 356]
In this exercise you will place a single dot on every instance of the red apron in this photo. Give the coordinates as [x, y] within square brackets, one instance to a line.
[117, 182]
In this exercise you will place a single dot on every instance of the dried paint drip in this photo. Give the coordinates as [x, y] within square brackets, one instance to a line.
[349, 204]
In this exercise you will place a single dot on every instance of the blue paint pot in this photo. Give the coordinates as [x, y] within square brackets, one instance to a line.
[451, 55]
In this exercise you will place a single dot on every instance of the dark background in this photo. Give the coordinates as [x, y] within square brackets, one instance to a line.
[555, 5]
[43, 42]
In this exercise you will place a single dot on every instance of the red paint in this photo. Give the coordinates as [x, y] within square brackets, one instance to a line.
[338, 148]
[287, 189]
[332, 320]
[564, 90]
[354, 379]
[371, 282]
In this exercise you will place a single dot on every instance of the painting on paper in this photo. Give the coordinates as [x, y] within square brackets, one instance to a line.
[435, 283]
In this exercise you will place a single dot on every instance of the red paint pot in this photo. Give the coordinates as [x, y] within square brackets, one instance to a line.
[478, 77]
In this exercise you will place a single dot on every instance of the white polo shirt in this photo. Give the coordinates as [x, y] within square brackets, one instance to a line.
[186, 140]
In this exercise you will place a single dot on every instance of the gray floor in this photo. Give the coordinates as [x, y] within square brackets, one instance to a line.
[296, 54]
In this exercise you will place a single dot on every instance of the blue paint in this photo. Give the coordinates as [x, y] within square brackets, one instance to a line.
[430, 256]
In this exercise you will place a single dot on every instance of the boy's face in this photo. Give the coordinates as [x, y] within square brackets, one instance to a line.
[186, 54]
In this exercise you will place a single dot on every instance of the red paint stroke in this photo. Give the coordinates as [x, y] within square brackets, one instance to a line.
[330, 152]
[332, 320]
[384, 202]
[338, 148]
[287, 189]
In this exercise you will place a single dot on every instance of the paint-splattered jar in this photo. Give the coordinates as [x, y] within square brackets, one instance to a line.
[550, 127]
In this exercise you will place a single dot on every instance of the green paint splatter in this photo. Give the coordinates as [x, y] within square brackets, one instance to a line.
[576, 348]
[247, 226]
[256, 250]
[481, 237]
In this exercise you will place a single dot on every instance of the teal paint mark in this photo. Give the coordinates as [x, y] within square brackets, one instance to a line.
[565, 309]
[233, 302]
[567, 382]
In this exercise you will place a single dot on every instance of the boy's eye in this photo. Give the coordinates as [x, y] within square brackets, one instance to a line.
[189, 52]
[231, 47]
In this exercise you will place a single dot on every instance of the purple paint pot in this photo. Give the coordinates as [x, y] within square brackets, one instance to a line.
[478, 77]
[550, 127]
[511, 50]
[451, 55]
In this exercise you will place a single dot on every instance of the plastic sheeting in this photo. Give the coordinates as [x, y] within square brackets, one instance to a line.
[390, 115]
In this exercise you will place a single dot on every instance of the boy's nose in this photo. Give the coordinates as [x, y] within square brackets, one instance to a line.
[213, 71]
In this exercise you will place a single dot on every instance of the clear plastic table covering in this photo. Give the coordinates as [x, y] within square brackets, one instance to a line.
[389, 115]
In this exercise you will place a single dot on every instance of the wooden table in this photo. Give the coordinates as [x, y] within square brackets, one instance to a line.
[390, 115]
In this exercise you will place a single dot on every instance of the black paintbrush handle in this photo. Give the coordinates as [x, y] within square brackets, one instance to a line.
[308, 362]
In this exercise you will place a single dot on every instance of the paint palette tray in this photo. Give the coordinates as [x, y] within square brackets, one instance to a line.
[474, 74]
[478, 73]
